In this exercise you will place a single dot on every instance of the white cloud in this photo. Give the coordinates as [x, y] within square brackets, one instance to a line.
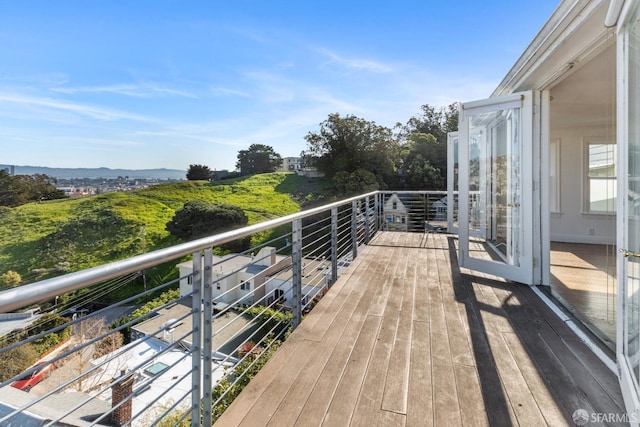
[356, 63]
[137, 91]
[231, 92]
[93, 111]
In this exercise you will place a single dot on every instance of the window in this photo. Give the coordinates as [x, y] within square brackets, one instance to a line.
[218, 286]
[600, 194]
[245, 286]
[395, 205]
[190, 280]
[156, 368]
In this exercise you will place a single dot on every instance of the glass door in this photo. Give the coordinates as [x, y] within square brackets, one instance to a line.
[453, 166]
[628, 217]
[495, 184]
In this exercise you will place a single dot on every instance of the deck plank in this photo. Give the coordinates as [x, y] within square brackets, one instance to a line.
[349, 319]
[446, 406]
[406, 337]
[397, 376]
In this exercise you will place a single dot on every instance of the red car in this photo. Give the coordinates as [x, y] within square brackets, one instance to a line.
[27, 381]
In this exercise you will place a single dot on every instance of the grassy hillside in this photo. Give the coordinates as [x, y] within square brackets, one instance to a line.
[45, 239]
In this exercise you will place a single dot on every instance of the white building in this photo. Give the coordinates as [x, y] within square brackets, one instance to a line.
[316, 276]
[291, 164]
[396, 213]
[238, 279]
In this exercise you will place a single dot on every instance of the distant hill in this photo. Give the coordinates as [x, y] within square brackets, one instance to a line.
[161, 174]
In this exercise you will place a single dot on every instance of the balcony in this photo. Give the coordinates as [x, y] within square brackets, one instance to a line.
[387, 330]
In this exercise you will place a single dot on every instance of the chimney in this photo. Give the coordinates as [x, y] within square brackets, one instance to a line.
[121, 391]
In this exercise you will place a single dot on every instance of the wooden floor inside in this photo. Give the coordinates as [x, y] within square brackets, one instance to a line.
[405, 337]
[583, 279]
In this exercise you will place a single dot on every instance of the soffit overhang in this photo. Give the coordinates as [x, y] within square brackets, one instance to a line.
[574, 34]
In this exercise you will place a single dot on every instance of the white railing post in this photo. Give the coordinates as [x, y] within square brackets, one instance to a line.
[354, 228]
[207, 332]
[367, 234]
[376, 212]
[334, 245]
[296, 259]
[196, 352]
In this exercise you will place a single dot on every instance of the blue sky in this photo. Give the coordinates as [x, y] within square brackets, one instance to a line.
[150, 84]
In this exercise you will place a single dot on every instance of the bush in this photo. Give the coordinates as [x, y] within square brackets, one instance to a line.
[360, 181]
[198, 219]
[17, 360]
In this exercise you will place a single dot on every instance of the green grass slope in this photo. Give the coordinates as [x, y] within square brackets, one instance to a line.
[40, 240]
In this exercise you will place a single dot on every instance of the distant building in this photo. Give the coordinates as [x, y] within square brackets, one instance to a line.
[396, 213]
[238, 278]
[316, 275]
[291, 164]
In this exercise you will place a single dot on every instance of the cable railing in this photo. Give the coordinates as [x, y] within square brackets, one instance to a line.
[178, 352]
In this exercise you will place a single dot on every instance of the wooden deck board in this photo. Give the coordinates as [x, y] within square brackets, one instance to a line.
[407, 338]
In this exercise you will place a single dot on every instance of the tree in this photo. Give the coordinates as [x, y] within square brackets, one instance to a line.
[422, 153]
[198, 219]
[258, 159]
[20, 189]
[17, 360]
[360, 181]
[422, 175]
[425, 136]
[351, 143]
[199, 173]
[10, 279]
[436, 122]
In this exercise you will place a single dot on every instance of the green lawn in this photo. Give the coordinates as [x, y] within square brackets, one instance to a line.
[45, 239]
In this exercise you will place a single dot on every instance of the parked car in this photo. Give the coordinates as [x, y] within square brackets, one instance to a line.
[27, 381]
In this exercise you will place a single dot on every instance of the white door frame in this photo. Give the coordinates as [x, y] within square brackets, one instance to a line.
[452, 191]
[628, 383]
[523, 271]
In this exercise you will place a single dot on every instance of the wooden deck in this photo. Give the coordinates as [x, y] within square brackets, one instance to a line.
[407, 338]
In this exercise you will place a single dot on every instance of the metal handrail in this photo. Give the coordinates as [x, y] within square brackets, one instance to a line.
[334, 238]
[13, 299]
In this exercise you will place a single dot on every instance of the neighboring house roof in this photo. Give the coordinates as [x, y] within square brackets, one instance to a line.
[52, 408]
[402, 197]
[313, 272]
[163, 392]
[224, 327]
[10, 322]
[235, 263]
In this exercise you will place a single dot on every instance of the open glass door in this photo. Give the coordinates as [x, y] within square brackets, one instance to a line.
[495, 184]
[628, 217]
[453, 165]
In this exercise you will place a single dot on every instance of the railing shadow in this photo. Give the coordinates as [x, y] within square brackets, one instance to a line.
[566, 368]
[529, 333]
[492, 392]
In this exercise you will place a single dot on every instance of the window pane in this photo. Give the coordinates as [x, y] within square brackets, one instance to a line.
[602, 160]
[601, 176]
[602, 195]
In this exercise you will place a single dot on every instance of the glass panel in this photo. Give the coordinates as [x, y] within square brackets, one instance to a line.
[456, 167]
[495, 184]
[554, 182]
[632, 306]
[602, 177]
